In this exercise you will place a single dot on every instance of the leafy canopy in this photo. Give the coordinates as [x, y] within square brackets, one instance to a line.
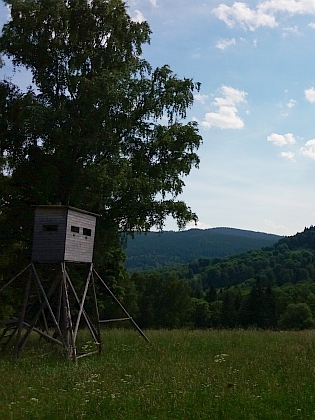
[99, 128]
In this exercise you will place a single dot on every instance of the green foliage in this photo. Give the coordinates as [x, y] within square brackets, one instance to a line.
[200, 313]
[252, 289]
[163, 301]
[90, 130]
[228, 312]
[297, 316]
[96, 139]
[258, 309]
[276, 265]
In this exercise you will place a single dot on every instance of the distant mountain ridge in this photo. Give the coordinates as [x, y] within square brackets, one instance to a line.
[155, 249]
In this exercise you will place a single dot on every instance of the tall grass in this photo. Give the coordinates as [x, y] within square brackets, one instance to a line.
[180, 375]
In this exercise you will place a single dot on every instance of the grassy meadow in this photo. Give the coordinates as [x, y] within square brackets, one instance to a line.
[180, 375]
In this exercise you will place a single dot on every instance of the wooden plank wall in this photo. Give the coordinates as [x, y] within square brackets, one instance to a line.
[49, 246]
[79, 247]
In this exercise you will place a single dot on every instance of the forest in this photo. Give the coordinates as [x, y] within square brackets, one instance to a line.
[268, 288]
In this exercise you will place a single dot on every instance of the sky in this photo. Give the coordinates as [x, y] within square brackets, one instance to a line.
[255, 109]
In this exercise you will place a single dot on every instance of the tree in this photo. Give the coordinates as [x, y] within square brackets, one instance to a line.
[200, 315]
[215, 313]
[311, 302]
[163, 301]
[297, 316]
[253, 308]
[270, 306]
[228, 313]
[89, 131]
[211, 294]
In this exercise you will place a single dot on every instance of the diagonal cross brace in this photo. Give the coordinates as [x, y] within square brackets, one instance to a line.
[42, 307]
[85, 315]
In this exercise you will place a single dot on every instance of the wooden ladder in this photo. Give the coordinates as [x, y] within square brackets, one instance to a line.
[7, 334]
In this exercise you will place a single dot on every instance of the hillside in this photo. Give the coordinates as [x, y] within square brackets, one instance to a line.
[271, 287]
[289, 260]
[156, 249]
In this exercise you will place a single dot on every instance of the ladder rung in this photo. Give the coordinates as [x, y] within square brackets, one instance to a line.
[9, 335]
[115, 319]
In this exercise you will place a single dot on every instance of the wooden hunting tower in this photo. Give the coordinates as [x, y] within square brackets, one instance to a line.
[53, 305]
[63, 233]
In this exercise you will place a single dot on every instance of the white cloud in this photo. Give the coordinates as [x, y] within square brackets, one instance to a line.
[288, 155]
[199, 225]
[138, 17]
[290, 6]
[226, 117]
[201, 98]
[264, 14]
[230, 96]
[281, 140]
[291, 103]
[153, 2]
[240, 13]
[309, 149]
[280, 229]
[312, 25]
[310, 94]
[288, 31]
[225, 43]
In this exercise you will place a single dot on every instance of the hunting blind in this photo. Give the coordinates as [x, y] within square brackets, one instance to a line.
[54, 305]
[63, 233]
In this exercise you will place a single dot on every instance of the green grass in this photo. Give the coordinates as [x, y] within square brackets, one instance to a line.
[180, 375]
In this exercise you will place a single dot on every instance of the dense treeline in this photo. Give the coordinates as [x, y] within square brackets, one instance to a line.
[168, 302]
[288, 261]
[155, 249]
[270, 288]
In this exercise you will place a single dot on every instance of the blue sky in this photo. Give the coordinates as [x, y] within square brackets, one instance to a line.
[256, 107]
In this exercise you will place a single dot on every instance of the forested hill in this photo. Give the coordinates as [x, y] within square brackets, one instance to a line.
[155, 249]
[271, 287]
[290, 260]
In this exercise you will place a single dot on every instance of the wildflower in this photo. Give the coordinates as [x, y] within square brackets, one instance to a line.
[220, 358]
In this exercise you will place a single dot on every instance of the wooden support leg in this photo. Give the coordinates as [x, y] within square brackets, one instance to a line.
[68, 327]
[17, 346]
[82, 302]
[122, 307]
[97, 314]
[14, 278]
[44, 304]
[85, 315]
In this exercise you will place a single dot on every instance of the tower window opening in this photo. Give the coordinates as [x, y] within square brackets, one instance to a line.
[87, 232]
[50, 228]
